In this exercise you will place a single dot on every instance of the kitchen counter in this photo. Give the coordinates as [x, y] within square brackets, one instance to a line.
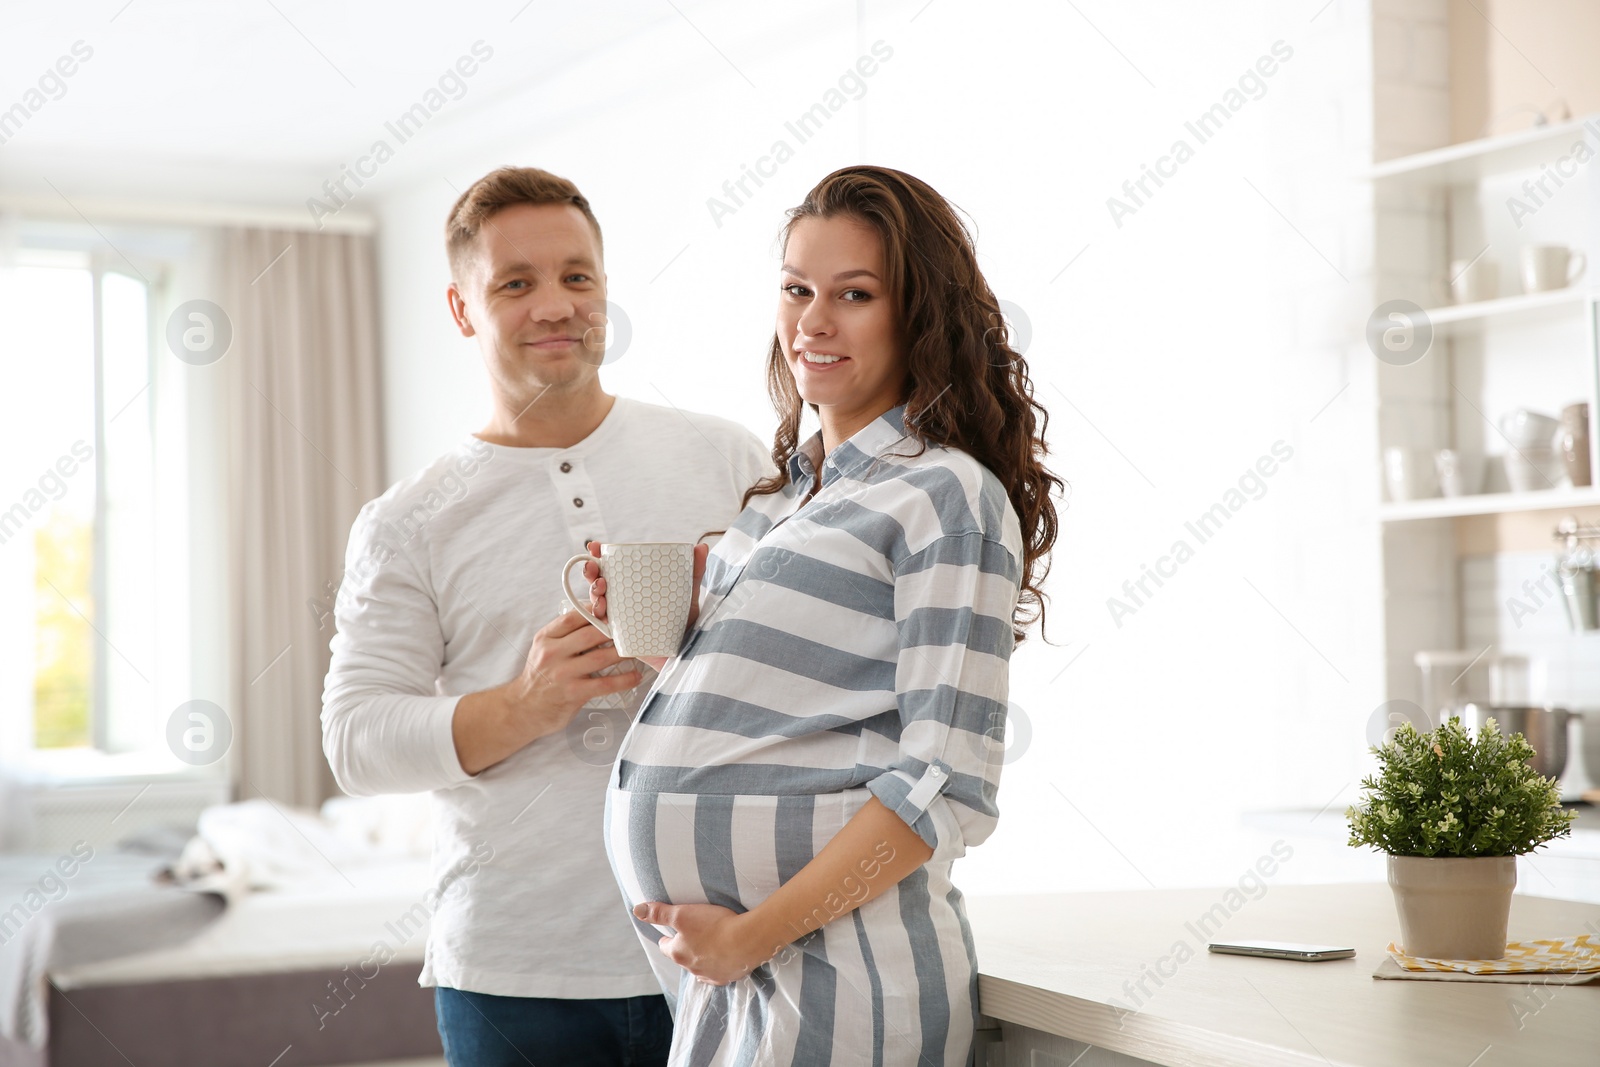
[1129, 973]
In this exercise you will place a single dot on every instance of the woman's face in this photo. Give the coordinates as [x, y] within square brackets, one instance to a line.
[836, 323]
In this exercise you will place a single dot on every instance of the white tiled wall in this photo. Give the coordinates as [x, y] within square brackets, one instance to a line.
[1411, 113]
[1511, 600]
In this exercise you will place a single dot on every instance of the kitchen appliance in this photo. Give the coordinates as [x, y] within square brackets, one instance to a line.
[1544, 728]
[1589, 745]
[1455, 681]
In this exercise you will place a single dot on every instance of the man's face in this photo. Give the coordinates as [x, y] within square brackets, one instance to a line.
[532, 292]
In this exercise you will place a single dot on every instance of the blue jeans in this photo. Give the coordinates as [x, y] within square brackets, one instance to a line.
[482, 1030]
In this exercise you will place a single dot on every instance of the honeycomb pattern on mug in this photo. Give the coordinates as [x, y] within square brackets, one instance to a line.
[648, 592]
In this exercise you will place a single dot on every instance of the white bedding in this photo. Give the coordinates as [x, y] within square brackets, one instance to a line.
[107, 906]
[329, 924]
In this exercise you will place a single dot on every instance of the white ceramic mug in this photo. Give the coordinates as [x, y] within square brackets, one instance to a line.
[1410, 473]
[1546, 267]
[1459, 474]
[649, 589]
[1474, 280]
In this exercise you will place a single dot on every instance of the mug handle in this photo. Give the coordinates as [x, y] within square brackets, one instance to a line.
[1576, 267]
[566, 587]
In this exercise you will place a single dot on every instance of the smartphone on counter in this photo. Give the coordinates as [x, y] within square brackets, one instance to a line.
[1283, 950]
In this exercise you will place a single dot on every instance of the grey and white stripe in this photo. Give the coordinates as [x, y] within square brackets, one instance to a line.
[850, 646]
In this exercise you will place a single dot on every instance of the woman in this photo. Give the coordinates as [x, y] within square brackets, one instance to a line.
[789, 800]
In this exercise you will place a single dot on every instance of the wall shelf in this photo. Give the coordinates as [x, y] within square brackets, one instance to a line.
[1447, 579]
[1460, 318]
[1472, 161]
[1448, 507]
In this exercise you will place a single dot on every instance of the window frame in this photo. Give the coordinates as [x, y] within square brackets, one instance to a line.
[167, 395]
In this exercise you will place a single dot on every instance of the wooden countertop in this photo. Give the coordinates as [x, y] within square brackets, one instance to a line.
[1059, 963]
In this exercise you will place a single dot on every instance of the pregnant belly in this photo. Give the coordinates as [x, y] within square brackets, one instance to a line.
[688, 848]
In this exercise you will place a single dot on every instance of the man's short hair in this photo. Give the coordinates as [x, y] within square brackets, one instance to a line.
[500, 189]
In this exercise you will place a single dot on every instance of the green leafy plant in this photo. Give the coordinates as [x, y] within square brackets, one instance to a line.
[1446, 793]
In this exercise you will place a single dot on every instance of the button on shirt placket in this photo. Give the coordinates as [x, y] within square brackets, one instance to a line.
[580, 506]
[800, 477]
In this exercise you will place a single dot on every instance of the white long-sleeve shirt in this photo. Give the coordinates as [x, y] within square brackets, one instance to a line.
[447, 577]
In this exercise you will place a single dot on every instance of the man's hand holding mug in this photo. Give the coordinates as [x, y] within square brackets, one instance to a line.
[644, 595]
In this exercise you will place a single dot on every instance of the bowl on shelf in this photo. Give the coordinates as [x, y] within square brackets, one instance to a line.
[1460, 473]
[1534, 468]
[1526, 429]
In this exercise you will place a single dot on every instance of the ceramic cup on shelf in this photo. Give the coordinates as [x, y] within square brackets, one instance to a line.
[1409, 474]
[1533, 469]
[1573, 440]
[1547, 267]
[1474, 280]
[1525, 428]
[1460, 474]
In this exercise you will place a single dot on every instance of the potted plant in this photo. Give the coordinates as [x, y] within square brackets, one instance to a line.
[1454, 812]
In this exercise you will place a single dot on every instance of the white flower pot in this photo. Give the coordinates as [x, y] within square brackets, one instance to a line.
[1453, 907]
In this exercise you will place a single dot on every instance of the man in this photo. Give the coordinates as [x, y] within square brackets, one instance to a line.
[449, 676]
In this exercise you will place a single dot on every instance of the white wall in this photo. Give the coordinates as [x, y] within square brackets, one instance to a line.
[1221, 317]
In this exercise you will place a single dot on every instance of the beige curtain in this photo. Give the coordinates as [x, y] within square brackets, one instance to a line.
[305, 455]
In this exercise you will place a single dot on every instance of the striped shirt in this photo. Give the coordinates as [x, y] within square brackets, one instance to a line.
[850, 645]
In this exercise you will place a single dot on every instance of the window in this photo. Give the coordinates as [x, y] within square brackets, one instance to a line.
[47, 527]
[94, 604]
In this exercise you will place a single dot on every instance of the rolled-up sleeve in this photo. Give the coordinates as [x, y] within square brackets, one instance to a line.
[385, 727]
[953, 604]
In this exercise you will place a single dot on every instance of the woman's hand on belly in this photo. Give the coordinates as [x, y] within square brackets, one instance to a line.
[715, 944]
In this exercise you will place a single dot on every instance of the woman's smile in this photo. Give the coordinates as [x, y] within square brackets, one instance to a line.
[821, 361]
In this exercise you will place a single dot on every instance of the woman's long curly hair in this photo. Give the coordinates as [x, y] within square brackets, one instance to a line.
[966, 387]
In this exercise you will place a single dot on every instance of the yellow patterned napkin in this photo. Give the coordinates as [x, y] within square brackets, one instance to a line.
[1573, 955]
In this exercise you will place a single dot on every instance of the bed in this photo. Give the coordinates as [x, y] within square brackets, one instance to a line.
[321, 968]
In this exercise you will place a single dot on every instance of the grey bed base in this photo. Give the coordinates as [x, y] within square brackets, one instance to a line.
[249, 1020]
